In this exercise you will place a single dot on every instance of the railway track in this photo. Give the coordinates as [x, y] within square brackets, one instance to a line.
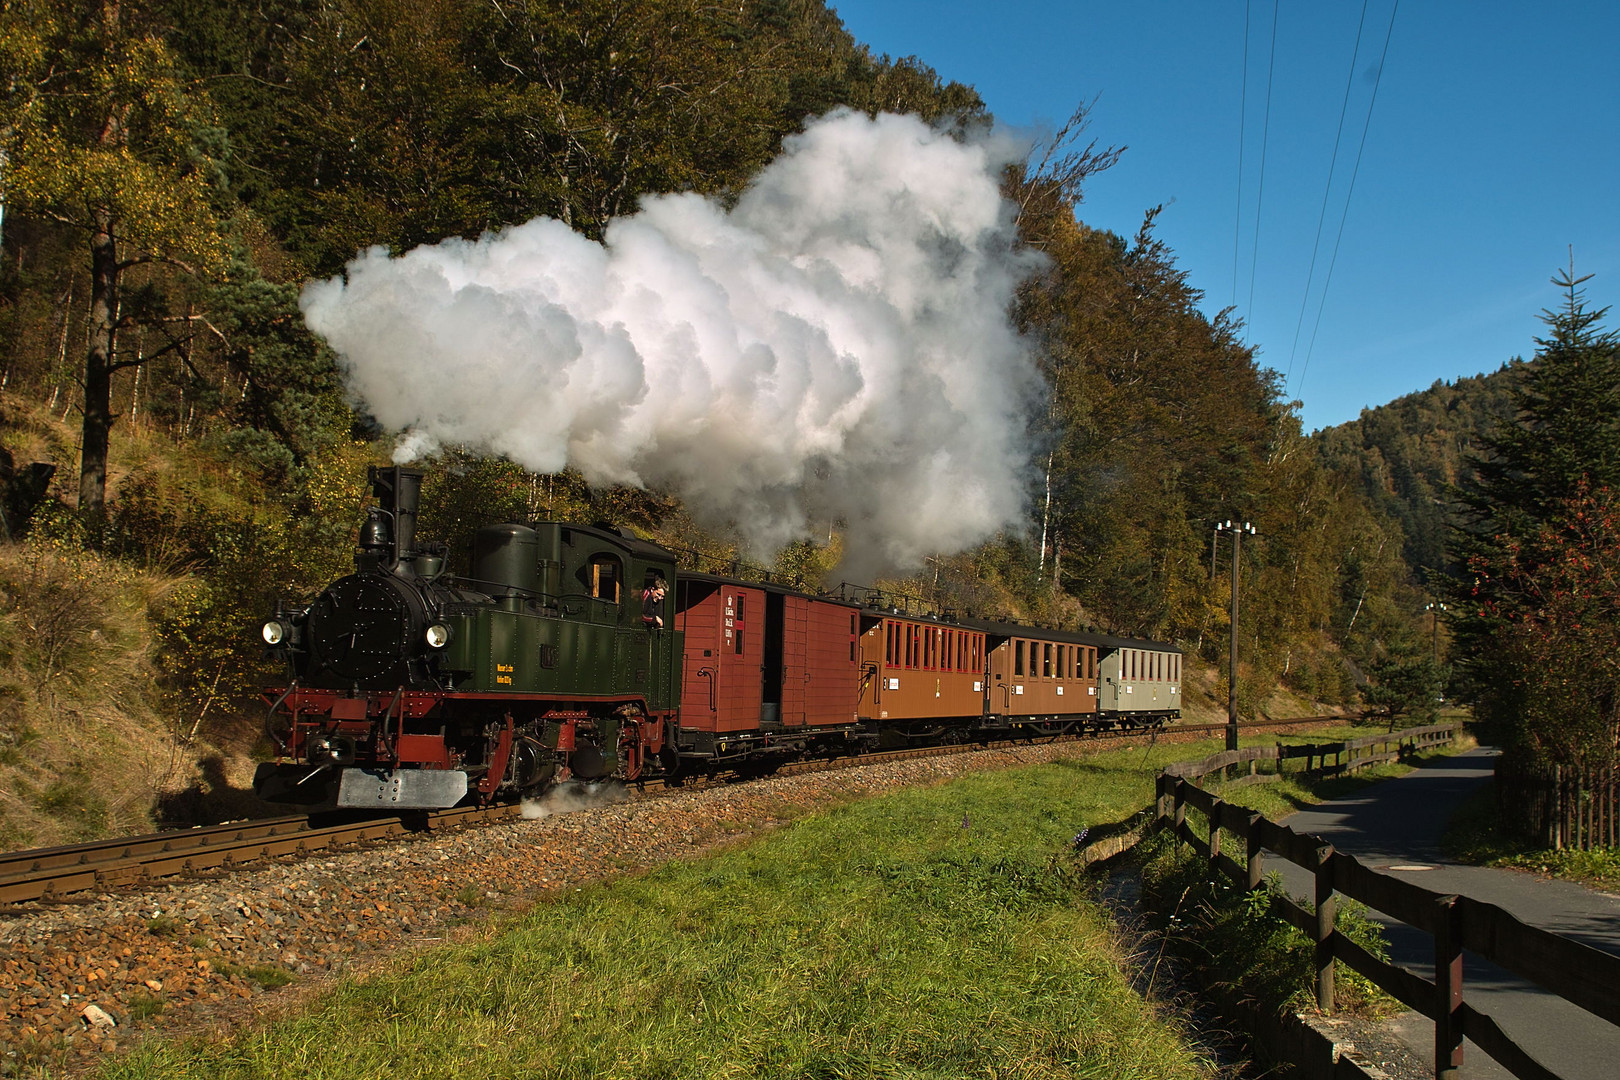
[57, 873]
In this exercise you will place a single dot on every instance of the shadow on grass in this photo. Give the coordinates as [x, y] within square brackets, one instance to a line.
[213, 800]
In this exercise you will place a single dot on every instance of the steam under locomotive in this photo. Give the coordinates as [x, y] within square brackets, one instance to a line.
[411, 688]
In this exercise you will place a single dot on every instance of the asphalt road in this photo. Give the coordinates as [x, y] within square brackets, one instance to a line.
[1396, 826]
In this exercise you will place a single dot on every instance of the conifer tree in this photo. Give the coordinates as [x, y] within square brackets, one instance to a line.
[1534, 613]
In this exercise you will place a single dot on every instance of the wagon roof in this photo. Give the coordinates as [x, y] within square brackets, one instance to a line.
[1075, 637]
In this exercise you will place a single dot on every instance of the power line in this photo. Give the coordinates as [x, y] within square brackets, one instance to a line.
[1265, 137]
[1310, 275]
[1243, 117]
[1327, 281]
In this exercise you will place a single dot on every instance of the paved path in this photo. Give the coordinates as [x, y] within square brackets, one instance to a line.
[1398, 823]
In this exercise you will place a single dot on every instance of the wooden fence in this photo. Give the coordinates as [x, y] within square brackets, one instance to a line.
[1561, 806]
[1587, 977]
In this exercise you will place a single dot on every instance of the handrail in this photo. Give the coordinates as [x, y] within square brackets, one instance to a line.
[1577, 972]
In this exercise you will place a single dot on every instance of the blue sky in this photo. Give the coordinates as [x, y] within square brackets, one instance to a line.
[1494, 145]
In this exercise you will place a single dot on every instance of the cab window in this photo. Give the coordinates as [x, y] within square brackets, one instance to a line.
[606, 576]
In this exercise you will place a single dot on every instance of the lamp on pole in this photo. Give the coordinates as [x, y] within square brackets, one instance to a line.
[1236, 529]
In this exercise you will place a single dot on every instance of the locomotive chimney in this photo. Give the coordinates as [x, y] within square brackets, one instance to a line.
[398, 490]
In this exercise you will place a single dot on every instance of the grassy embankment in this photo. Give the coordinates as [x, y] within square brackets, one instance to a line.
[933, 932]
[84, 749]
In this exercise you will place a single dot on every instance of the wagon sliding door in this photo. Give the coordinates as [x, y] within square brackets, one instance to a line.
[819, 681]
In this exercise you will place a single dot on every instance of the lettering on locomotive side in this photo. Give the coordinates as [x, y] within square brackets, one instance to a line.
[503, 667]
[504, 680]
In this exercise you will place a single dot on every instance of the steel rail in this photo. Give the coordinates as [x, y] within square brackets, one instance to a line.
[55, 873]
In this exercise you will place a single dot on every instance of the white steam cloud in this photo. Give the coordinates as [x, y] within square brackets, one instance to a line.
[571, 796]
[836, 346]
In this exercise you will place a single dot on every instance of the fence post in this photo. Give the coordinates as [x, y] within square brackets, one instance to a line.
[1325, 910]
[1159, 810]
[1256, 849]
[1179, 813]
[1448, 976]
[1214, 817]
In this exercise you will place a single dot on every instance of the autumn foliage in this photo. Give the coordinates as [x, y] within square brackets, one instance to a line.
[1552, 599]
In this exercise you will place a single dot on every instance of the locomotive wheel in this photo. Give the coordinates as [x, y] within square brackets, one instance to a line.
[533, 765]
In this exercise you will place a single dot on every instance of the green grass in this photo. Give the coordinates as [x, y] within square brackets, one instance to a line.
[936, 932]
[939, 932]
[1477, 835]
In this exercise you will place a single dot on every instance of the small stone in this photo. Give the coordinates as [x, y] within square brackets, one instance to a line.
[94, 1018]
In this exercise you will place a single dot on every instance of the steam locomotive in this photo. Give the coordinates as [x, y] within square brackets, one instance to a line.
[410, 688]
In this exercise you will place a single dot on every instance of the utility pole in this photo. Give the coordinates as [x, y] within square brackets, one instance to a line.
[1436, 607]
[1236, 529]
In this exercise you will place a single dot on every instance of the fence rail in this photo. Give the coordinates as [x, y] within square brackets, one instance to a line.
[1562, 807]
[1582, 975]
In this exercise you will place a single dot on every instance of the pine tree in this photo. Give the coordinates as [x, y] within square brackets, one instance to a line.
[1531, 604]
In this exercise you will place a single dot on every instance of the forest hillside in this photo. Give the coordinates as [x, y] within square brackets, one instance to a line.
[180, 450]
[1409, 454]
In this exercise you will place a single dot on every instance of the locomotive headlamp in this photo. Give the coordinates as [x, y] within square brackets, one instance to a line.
[275, 632]
[437, 636]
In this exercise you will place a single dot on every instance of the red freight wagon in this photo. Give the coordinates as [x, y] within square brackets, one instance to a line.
[764, 669]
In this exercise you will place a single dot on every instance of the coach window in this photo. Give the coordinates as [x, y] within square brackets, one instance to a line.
[737, 641]
[606, 573]
[1018, 658]
[1046, 661]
